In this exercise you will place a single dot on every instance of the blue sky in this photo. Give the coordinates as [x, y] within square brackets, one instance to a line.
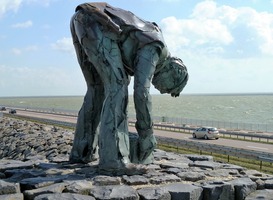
[227, 45]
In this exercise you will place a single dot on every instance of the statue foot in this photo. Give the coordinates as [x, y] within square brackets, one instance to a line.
[81, 160]
[128, 169]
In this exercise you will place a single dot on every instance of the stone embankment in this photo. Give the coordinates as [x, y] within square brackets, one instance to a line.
[34, 165]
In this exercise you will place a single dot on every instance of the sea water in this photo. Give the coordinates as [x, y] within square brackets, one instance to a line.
[242, 108]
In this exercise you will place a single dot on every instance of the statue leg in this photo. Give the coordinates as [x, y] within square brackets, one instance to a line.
[86, 134]
[147, 59]
[103, 52]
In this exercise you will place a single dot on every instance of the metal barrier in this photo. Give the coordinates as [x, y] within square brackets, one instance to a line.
[219, 124]
[229, 134]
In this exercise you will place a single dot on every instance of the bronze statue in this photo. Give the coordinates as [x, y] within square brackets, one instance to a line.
[111, 45]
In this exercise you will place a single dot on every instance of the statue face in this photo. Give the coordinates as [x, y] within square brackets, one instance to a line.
[172, 78]
[162, 82]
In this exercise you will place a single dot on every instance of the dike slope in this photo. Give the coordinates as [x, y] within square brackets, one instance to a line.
[34, 165]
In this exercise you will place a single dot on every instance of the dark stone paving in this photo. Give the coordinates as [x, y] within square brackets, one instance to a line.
[34, 165]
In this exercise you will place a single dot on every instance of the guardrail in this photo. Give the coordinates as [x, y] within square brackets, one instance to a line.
[213, 148]
[229, 134]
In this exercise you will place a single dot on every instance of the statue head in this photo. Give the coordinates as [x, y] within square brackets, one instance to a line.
[172, 77]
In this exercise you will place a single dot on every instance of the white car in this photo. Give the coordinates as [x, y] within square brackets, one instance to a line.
[206, 133]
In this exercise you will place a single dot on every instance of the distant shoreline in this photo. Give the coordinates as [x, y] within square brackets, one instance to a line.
[182, 94]
[228, 94]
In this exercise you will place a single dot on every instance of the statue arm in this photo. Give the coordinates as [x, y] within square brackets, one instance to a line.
[146, 61]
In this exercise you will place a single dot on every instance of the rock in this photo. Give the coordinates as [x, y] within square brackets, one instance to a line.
[106, 180]
[9, 188]
[38, 182]
[64, 196]
[260, 184]
[164, 178]
[173, 170]
[135, 180]
[200, 158]
[191, 176]
[174, 164]
[180, 191]
[269, 184]
[2, 175]
[55, 188]
[206, 164]
[154, 193]
[243, 187]
[230, 166]
[78, 186]
[17, 196]
[261, 195]
[16, 175]
[218, 190]
[121, 192]
[15, 164]
[221, 173]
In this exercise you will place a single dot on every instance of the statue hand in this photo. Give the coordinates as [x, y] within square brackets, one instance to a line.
[146, 146]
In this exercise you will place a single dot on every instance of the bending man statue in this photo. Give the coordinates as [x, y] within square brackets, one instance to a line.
[111, 45]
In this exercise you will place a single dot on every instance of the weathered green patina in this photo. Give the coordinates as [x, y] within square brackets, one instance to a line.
[111, 45]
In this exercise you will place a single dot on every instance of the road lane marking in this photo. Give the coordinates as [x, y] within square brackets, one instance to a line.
[253, 147]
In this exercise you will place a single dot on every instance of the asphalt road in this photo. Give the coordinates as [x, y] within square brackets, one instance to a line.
[225, 142]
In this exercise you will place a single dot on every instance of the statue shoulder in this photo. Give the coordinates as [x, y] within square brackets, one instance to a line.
[95, 6]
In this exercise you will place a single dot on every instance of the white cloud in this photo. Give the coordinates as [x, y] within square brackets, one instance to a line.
[262, 23]
[207, 36]
[65, 44]
[169, 1]
[19, 51]
[221, 30]
[14, 5]
[7, 5]
[25, 24]
[16, 51]
[45, 3]
[40, 81]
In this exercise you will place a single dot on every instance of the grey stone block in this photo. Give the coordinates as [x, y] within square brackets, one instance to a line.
[121, 192]
[38, 182]
[269, 184]
[218, 191]
[261, 195]
[78, 186]
[183, 191]
[9, 188]
[106, 180]
[135, 180]
[17, 196]
[243, 187]
[154, 193]
[55, 188]
[191, 176]
[63, 196]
